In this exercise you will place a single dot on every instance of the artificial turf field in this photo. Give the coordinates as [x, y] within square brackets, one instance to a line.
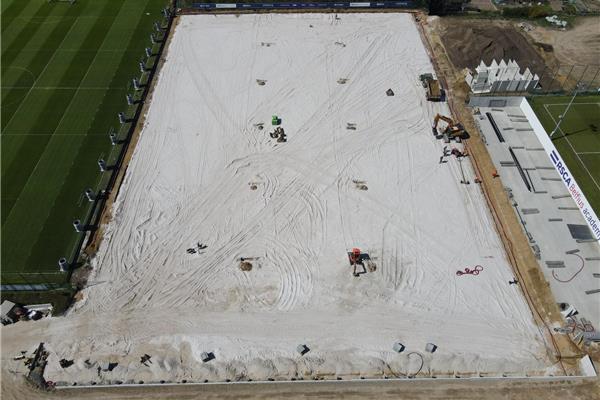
[578, 138]
[65, 72]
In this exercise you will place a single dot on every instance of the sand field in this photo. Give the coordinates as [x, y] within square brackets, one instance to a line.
[206, 187]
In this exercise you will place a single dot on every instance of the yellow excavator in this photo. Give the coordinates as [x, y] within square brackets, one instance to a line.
[454, 130]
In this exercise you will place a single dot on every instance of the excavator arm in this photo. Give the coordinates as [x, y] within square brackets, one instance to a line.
[437, 118]
[454, 129]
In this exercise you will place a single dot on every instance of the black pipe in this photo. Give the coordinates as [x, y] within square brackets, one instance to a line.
[491, 119]
[518, 164]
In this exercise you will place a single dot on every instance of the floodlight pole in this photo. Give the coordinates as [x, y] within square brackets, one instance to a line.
[562, 116]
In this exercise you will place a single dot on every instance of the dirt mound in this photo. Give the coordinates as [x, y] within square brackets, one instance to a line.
[468, 42]
[578, 45]
[246, 266]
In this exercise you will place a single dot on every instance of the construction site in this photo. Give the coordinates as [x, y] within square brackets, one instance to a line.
[312, 197]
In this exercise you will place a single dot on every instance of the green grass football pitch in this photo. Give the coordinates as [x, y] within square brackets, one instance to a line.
[578, 138]
[65, 72]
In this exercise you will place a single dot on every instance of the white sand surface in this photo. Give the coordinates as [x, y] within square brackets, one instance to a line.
[189, 181]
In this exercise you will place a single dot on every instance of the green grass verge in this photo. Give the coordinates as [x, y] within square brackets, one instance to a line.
[59, 298]
[65, 72]
[577, 140]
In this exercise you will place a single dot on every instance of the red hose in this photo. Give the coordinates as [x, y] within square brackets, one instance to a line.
[469, 271]
[574, 275]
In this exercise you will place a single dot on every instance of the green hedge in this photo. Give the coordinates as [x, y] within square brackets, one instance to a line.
[527, 12]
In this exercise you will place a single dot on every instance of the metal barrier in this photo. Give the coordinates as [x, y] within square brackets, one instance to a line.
[292, 6]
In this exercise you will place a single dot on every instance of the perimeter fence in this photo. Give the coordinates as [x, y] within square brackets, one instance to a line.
[192, 6]
[557, 80]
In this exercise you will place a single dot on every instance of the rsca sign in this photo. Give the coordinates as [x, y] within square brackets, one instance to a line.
[576, 193]
[560, 167]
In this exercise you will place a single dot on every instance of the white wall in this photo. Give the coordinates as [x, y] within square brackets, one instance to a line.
[561, 167]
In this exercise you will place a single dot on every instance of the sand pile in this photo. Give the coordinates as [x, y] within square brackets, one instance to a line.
[468, 44]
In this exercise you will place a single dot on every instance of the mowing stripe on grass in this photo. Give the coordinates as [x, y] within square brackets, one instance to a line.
[117, 70]
[575, 104]
[573, 148]
[24, 158]
[6, 4]
[35, 50]
[34, 65]
[10, 104]
[68, 88]
[11, 10]
[50, 243]
[25, 35]
[29, 213]
[27, 217]
[101, 73]
[62, 87]
[15, 170]
[57, 134]
[11, 18]
[578, 135]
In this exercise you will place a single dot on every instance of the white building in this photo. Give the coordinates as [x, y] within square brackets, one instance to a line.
[502, 77]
